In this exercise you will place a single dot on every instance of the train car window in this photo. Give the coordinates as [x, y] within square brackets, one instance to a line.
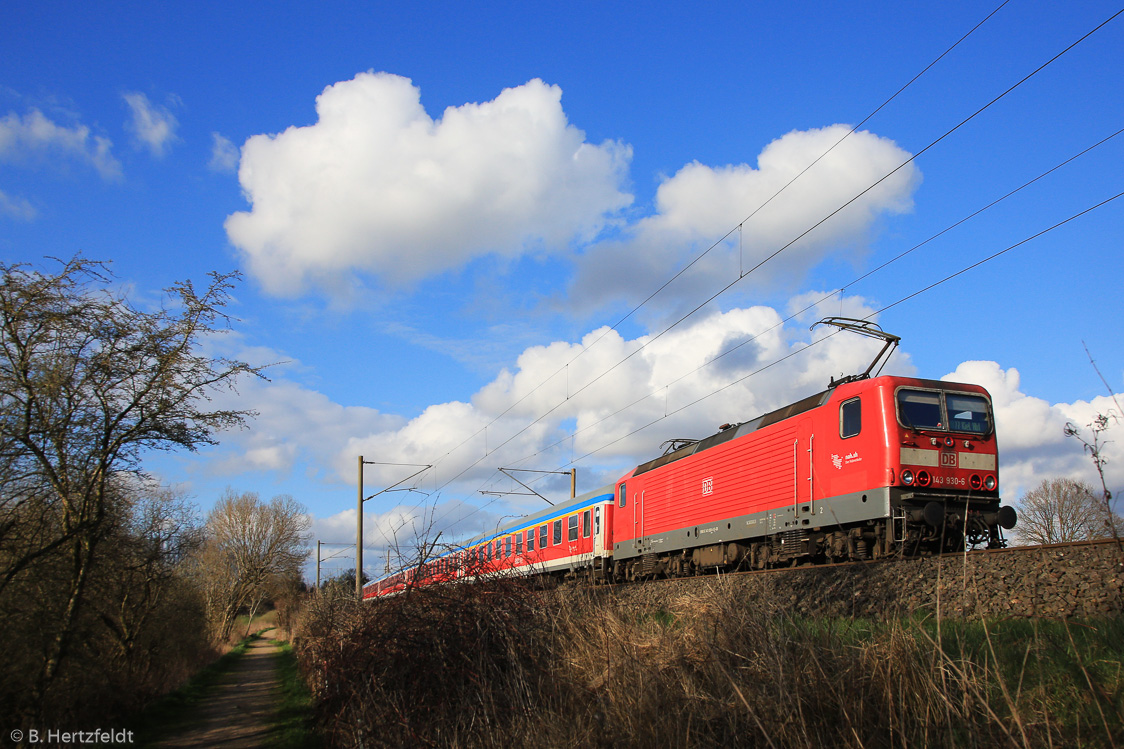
[850, 418]
[920, 409]
[585, 524]
[967, 413]
[498, 548]
[557, 532]
[597, 520]
[531, 540]
[572, 528]
[507, 546]
[622, 494]
[519, 542]
[542, 537]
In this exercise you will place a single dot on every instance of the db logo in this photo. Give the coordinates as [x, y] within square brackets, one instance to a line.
[948, 459]
[707, 486]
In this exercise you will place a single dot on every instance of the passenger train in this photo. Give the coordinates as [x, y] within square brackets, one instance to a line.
[871, 467]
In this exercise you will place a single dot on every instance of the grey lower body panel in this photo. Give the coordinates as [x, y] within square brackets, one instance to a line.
[823, 514]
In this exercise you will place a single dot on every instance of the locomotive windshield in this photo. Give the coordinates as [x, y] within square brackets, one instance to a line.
[943, 410]
[967, 413]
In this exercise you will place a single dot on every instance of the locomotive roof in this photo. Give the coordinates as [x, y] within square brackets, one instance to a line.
[737, 430]
[787, 412]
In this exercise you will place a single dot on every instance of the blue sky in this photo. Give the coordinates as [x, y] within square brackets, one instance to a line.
[484, 189]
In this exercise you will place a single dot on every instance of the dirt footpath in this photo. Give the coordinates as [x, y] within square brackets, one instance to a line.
[240, 711]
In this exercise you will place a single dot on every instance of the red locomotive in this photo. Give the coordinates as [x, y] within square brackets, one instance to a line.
[870, 467]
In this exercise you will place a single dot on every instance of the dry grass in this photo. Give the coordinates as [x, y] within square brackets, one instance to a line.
[504, 664]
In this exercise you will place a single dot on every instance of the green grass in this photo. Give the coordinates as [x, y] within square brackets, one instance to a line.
[1065, 676]
[175, 710]
[293, 726]
[1073, 670]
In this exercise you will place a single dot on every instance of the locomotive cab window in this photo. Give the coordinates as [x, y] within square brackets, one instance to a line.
[967, 413]
[850, 418]
[623, 493]
[920, 409]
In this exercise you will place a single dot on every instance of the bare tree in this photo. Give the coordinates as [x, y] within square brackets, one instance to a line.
[158, 531]
[88, 383]
[249, 545]
[1060, 510]
[1111, 523]
[140, 628]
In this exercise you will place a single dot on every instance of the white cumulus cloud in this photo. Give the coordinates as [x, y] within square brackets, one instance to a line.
[378, 186]
[35, 137]
[699, 204]
[153, 126]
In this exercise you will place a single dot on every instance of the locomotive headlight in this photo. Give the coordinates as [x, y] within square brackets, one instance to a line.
[990, 483]
[907, 478]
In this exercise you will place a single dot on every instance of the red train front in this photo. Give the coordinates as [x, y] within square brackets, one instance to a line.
[865, 469]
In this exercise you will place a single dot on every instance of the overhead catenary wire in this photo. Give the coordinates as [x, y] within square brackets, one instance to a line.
[722, 239]
[650, 340]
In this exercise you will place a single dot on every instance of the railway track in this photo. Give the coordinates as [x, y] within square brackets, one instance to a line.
[970, 554]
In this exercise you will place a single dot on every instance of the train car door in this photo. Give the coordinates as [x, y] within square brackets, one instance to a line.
[598, 533]
[804, 491]
[573, 539]
[638, 506]
[638, 513]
